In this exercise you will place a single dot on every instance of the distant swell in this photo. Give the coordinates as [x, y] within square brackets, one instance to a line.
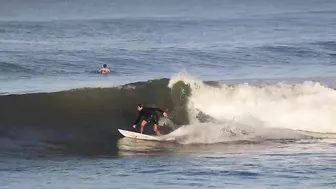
[6, 68]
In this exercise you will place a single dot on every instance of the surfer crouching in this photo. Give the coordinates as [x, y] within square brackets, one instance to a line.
[150, 116]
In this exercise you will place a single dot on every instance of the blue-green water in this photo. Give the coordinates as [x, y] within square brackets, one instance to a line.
[238, 79]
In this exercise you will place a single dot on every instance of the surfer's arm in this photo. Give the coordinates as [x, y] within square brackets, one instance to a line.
[162, 112]
[158, 109]
[137, 119]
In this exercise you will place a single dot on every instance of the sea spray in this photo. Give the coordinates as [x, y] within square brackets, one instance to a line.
[246, 111]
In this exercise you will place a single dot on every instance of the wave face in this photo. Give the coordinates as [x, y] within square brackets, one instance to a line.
[84, 120]
[246, 112]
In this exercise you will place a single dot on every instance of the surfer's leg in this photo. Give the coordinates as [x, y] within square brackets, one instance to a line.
[143, 123]
[156, 122]
[156, 129]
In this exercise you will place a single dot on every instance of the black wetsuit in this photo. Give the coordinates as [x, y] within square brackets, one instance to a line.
[149, 114]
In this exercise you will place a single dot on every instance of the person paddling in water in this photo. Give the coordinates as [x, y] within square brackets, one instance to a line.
[150, 116]
[104, 69]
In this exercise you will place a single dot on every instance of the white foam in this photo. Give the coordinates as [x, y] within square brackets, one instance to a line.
[308, 106]
[208, 133]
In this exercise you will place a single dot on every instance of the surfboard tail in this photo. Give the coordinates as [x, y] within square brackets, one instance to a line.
[130, 134]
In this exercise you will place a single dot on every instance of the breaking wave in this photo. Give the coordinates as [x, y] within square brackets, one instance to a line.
[248, 112]
[85, 121]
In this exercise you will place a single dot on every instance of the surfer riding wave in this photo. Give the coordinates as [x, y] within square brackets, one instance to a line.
[150, 116]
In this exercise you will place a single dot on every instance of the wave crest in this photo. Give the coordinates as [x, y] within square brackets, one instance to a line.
[265, 111]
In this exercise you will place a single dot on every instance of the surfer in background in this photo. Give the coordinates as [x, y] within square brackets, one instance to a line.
[150, 116]
[104, 70]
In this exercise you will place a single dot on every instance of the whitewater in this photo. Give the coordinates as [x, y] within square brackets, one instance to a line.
[250, 112]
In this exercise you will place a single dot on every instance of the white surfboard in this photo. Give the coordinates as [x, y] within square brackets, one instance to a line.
[135, 135]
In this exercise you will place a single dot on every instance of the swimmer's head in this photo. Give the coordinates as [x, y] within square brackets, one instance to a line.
[104, 66]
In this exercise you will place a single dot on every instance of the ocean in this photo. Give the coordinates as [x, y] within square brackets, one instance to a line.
[249, 87]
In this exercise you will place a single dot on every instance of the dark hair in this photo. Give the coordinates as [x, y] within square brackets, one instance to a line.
[140, 105]
[104, 65]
